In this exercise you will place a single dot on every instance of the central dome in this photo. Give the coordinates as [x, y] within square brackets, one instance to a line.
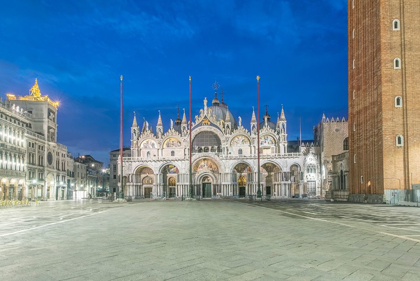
[220, 110]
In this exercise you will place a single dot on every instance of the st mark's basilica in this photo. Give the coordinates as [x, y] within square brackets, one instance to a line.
[224, 158]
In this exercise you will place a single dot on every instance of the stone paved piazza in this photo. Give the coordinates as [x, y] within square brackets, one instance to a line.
[209, 240]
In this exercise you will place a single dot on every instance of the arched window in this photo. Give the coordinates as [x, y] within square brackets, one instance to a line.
[205, 140]
[346, 144]
[398, 101]
[396, 25]
[240, 151]
[172, 153]
[399, 140]
[397, 63]
[354, 158]
[354, 94]
[148, 154]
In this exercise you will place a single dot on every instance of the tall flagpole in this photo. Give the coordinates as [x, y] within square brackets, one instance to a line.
[190, 181]
[121, 140]
[258, 136]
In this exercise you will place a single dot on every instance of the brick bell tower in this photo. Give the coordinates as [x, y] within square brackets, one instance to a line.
[384, 98]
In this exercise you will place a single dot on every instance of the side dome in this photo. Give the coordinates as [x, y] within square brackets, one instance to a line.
[267, 121]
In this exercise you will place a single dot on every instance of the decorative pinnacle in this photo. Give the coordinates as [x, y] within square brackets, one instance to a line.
[121, 77]
[258, 78]
[190, 78]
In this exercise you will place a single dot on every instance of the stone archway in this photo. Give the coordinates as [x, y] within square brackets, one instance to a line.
[206, 186]
[169, 174]
[243, 177]
[144, 179]
[271, 175]
[4, 189]
[206, 166]
[295, 179]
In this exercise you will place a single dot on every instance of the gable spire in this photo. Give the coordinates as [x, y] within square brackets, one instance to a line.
[159, 123]
[184, 118]
[134, 120]
[282, 116]
[253, 118]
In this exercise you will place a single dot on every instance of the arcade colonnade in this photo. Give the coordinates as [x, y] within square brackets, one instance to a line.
[16, 189]
[209, 182]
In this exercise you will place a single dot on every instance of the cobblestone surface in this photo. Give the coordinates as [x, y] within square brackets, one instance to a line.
[209, 240]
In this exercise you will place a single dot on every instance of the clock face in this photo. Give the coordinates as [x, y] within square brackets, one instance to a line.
[49, 158]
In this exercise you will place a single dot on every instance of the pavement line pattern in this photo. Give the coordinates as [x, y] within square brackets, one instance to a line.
[343, 224]
[49, 224]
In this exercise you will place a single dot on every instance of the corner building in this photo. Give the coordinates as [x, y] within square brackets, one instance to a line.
[384, 98]
[32, 163]
[224, 158]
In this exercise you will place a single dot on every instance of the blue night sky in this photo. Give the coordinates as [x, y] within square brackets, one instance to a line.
[78, 50]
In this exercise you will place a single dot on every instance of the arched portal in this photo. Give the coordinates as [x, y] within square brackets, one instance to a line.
[169, 174]
[207, 173]
[144, 181]
[295, 179]
[206, 186]
[271, 176]
[242, 174]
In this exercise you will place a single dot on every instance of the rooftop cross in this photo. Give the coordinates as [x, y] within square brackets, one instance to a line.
[215, 86]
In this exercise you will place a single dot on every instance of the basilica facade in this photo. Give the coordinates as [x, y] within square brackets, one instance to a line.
[224, 158]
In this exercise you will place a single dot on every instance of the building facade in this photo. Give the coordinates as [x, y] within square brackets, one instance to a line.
[33, 164]
[224, 158]
[384, 100]
[13, 127]
[41, 160]
[331, 135]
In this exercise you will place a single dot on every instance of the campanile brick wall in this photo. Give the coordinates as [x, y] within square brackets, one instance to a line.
[374, 121]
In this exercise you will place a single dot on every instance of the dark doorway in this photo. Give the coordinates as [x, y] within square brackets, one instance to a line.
[206, 190]
[242, 191]
[147, 192]
[171, 192]
[268, 190]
